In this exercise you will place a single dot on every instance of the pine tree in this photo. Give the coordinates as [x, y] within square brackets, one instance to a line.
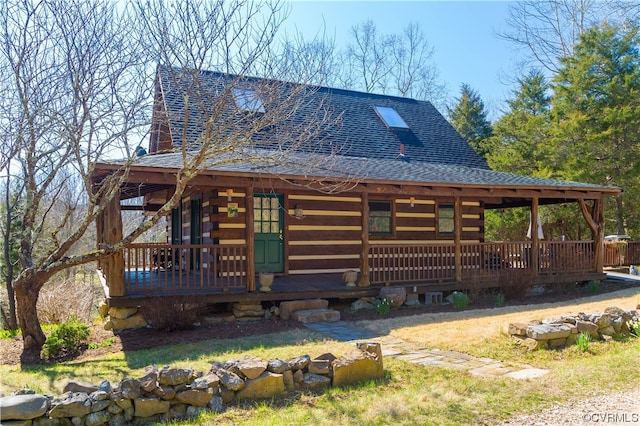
[469, 118]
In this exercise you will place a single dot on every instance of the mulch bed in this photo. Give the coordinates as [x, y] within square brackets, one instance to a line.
[134, 340]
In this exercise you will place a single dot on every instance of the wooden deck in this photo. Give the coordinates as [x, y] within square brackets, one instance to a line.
[218, 274]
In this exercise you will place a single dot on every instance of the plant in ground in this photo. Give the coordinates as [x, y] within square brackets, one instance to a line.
[460, 300]
[383, 306]
[582, 341]
[66, 338]
[593, 287]
[500, 299]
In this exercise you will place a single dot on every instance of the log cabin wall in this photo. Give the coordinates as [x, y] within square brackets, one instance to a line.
[328, 236]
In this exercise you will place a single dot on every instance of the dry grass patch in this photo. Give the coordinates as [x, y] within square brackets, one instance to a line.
[461, 330]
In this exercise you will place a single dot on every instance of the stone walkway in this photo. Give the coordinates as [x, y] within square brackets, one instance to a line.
[344, 331]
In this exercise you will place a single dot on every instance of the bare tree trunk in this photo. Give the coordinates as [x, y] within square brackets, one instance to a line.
[27, 290]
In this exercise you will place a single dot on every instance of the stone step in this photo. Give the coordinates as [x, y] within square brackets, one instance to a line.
[316, 315]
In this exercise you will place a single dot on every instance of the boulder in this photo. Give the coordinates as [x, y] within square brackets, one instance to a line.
[134, 321]
[397, 295]
[23, 407]
[617, 312]
[278, 366]
[97, 418]
[287, 377]
[251, 367]
[320, 366]
[587, 327]
[175, 376]
[216, 405]
[362, 364]
[75, 386]
[299, 362]
[316, 315]
[548, 331]
[149, 381]
[122, 313]
[531, 344]
[230, 380]
[129, 388]
[71, 404]
[147, 407]
[363, 305]
[315, 382]
[197, 397]
[205, 382]
[288, 307]
[518, 329]
[266, 385]
[165, 392]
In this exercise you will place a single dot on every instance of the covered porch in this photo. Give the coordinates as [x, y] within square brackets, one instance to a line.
[219, 273]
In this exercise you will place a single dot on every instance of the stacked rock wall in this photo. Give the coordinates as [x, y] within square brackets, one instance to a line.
[177, 393]
[563, 331]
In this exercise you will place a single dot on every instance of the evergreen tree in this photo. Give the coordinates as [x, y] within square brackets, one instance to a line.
[597, 116]
[469, 118]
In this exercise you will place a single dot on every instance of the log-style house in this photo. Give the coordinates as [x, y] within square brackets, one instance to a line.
[407, 206]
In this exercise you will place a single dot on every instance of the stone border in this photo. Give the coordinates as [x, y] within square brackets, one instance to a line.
[179, 393]
[563, 331]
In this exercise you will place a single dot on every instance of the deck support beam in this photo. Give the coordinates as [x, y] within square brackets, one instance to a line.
[595, 220]
[535, 238]
[251, 258]
[365, 279]
[110, 233]
[457, 237]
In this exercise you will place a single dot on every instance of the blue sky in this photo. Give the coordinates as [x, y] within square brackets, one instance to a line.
[462, 33]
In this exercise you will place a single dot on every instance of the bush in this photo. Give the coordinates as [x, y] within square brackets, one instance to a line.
[53, 301]
[582, 341]
[593, 287]
[173, 316]
[515, 284]
[500, 299]
[66, 339]
[460, 300]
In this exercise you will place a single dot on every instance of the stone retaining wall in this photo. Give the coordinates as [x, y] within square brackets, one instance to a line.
[563, 331]
[177, 393]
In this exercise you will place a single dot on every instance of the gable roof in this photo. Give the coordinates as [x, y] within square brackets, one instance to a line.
[358, 132]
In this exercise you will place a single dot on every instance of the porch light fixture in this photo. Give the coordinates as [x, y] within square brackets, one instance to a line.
[412, 201]
[298, 213]
[229, 194]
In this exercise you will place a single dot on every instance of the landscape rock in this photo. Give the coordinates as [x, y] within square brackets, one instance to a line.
[587, 327]
[97, 418]
[71, 404]
[362, 364]
[548, 331]
[397, 295]
[216, 404]
[251, 367]
[266, 385]
[230, 380]
[316, 315]
[75, 386]
[134, 321]
[130, 388]
[299, 362]
[277, 366]
[288, 307]
[363, 305]
[518, 329]
[23, 407]
[196, 397]
[315, 382]
[320, 366]
[147, 407]
[122, 313]
[175, 376]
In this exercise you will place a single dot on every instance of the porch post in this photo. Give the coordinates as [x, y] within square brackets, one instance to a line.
[365, 280]
[251, 258]
[111, 229]
[535, 239]
[595, 220]
[457, 237]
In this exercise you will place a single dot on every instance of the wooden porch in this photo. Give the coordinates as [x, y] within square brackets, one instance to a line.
[218, 273]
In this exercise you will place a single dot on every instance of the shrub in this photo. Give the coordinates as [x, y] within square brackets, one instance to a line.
[582, 341]
[593, 286]
[173, 316]
[53, 301]
[500, 299]
[383, 306]
[460, 300]
[66, 339]
[515, 283]
[634, 327]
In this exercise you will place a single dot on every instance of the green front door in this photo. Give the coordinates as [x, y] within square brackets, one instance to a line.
[267, 226]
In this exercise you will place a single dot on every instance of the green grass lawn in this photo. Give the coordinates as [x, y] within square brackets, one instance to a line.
[408, 394]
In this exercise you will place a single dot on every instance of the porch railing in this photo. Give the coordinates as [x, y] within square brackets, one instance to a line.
[621, 253]
[436, 262]
[163, 268]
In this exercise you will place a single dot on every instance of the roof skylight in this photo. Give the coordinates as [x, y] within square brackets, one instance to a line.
[248, 100]
[390, 117]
